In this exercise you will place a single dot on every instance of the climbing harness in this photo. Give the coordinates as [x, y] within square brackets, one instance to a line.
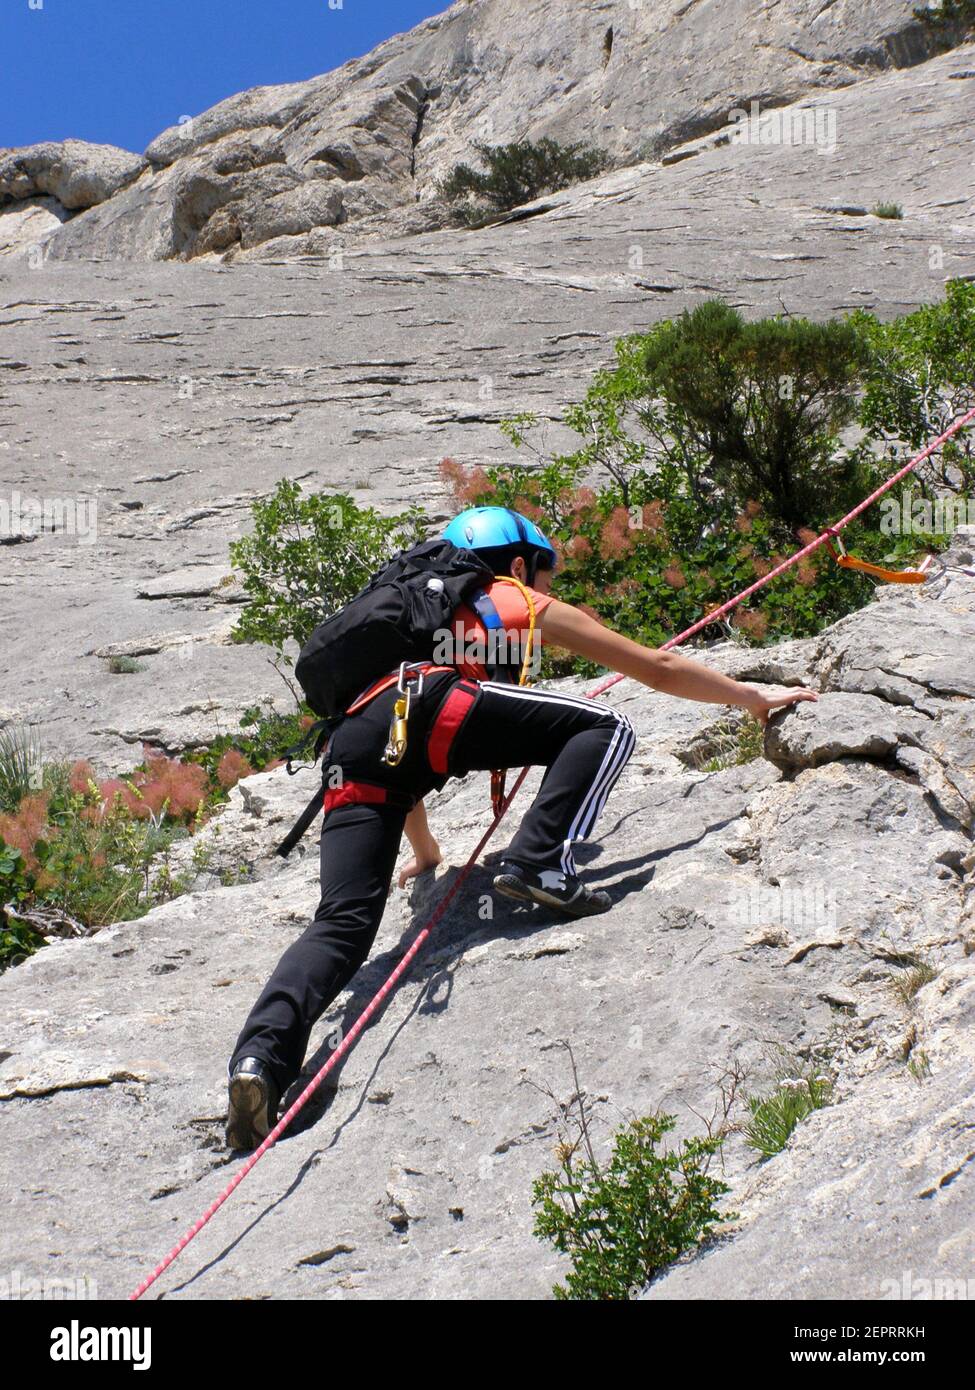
[324, 729]
[423, 936]
[450, 719]
[366, 793]
[448, 722]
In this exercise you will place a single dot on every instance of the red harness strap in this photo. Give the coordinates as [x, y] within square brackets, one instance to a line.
[448, 723]
[366, 792]
[385, 682]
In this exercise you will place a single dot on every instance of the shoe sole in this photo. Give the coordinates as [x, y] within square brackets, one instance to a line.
[516, 888]
[513, 887]
[248, 1122]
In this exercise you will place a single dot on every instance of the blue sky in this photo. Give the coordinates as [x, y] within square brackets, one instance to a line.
[120, 71]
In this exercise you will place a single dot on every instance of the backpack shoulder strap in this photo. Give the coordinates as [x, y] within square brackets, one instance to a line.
[530, 619]
[485, 608]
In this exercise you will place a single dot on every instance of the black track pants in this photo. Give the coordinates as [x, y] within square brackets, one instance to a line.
[583, 744]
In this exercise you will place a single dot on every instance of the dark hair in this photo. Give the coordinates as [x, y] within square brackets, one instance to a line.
[499, 557]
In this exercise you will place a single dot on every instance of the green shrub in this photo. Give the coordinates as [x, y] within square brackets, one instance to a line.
[652, 565]
[79, 852]
[650, 570]
[920, 378]
[892, 211]
[516, 174]
[623, 1221]
[20, 757]
[731, 743]
[306, 556]
[96, 868]
[755, 408]
[124, 666]
[260, 743]
[798, 1091]
[712, 448]
[18, 939]
[950, 20]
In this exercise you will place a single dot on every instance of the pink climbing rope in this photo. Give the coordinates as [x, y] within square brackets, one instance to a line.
[374, 1004]
[344, 1046]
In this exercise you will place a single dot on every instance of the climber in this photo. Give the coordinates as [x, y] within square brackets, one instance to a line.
[407, 734]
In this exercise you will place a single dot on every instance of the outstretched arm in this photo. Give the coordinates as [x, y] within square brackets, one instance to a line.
[568, 627]
[426, 851]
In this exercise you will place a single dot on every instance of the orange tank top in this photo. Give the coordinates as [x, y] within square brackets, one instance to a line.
[490, 639]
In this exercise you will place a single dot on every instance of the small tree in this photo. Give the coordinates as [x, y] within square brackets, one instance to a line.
[516, 174]
[308, 555]
[921, 377]
[762, 403]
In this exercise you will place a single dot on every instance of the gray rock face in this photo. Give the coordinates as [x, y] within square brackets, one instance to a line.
[28, 224]
[771, 903]
[76, 173]
[873, 1198]
[361, 365]
[840, 725]
[751, 907]
[380, 131]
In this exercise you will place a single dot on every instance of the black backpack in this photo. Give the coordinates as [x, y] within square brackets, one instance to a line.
[395, 618]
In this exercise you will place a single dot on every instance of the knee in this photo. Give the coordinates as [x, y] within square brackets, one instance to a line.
[346, 930]
[621, 731]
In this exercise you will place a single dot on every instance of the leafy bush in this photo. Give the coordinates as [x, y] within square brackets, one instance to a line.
[96, 862]
[516, 174]
[733, 742]
[258, 746]
[654, 565]
[754, 409]
[892, 211]
[124, 666]
[307, 556]
[799, 1090]
[920, 378]
[80, 852]
[712, 448]
[18, 939]
[950, 21]
[624, 1221]
[84, 847]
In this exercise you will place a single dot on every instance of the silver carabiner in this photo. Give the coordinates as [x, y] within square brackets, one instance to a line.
[401, 685]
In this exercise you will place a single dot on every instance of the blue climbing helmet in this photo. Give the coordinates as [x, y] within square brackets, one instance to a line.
[498, 534]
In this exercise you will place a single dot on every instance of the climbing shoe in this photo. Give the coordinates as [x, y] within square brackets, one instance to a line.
[253, 1108]
[552, 888]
